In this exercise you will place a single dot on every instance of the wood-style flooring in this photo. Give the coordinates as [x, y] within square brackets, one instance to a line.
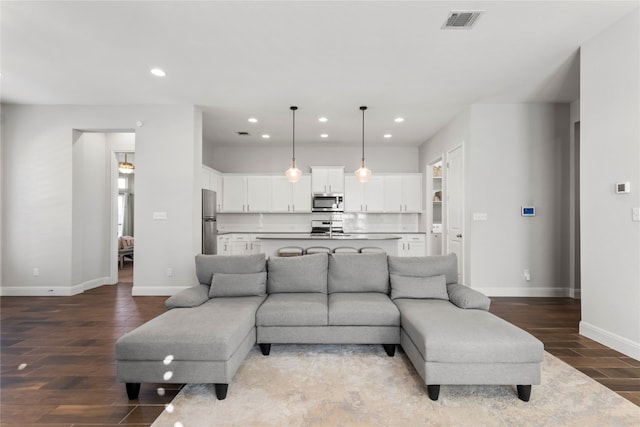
[58, 369]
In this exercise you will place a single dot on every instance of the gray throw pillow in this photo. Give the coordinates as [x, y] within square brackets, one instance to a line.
[190, 297]
[465, 297]
[431, 287]
[238, 285]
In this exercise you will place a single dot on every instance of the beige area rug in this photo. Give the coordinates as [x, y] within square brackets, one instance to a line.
[351, 385]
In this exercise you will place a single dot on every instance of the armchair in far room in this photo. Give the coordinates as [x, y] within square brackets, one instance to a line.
[125, 249]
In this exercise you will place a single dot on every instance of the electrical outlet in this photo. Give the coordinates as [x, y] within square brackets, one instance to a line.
[527, 274]
[479, 216]
[36, 271]
[169, 272]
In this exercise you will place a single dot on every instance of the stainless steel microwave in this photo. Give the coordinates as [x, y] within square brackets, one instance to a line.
[327, 202]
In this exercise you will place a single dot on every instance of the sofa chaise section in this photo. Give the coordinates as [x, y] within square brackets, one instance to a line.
[207, 333]
[449, 335]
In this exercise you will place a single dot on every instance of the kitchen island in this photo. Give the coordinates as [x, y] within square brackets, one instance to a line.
[272, 242]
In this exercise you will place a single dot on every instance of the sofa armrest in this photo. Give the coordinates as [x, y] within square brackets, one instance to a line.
[190, 297]
[465, 297]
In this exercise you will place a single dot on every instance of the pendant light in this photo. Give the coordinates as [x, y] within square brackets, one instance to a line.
[126, 167]
[293, 173]
[363, 173]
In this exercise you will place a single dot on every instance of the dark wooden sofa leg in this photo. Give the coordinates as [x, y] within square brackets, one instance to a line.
[221, 391]
[524, 392]
[133, 390]
[433, 391]
[265, 349]
[390, 349]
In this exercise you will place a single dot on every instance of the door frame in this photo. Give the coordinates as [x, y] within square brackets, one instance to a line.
[428, 197]
[114, 175]
[447, 208]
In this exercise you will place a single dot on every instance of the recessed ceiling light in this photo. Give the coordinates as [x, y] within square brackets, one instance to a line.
[323, 119]
[265, 136]
[398, 120]
[252, 120]
[387, 135]
[158, 72]
[324, 135]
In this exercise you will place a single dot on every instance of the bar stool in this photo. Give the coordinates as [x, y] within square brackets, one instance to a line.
[371, 250]
[290, 251]
[345, 250]
[317, 250]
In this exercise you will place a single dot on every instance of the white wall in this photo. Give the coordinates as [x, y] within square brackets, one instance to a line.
[515, 155]
[37, 191]
[91, 211]
[249, 159]
[610, 153]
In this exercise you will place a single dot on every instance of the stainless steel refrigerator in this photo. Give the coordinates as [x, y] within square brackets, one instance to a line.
[209, 225]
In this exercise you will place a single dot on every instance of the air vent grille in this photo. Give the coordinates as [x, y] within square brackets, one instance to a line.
[462, 19]
[242, 133]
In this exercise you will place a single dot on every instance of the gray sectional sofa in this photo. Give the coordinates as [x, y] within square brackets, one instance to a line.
[443, 327]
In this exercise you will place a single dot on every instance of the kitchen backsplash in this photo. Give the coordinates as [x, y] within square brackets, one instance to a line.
[301, 223]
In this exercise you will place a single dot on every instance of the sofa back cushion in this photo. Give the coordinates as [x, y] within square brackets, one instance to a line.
[306, 273]
[366, 272]
[207, 265]
[238, 285]
[426, 266]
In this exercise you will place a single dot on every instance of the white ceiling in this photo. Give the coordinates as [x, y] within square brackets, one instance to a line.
[242, 59]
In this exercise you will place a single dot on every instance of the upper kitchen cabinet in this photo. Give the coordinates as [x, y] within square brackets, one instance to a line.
[243, 193]
[364, 197]
[327, 179]
[403, 193]
[291, 197]
[212, 180]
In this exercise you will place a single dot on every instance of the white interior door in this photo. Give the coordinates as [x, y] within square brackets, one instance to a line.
[455, 208]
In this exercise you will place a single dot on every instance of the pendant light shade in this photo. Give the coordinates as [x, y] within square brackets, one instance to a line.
[293, 173]
[126, 167]
[363, 173]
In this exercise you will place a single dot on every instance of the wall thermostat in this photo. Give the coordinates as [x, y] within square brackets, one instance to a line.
[623, 187]
[528, 211]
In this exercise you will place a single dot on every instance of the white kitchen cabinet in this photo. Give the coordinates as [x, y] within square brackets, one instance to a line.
[212, 180]
[364, 197]
[243, 193]
[258, 193]
[403, 193]
[412, 245]
[244, 244]
[224, 245]
[327, 179]
[290, 197]
[234, 193]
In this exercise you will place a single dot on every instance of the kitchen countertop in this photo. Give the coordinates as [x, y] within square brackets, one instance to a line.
[297, 233]
[336, 236]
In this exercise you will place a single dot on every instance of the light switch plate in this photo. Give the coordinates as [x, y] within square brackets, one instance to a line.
[635, 216]
[479, 216]
[159, 215]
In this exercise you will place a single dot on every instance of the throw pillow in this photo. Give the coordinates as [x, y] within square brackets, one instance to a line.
[465, 297]
[238, 285]
[430, 287]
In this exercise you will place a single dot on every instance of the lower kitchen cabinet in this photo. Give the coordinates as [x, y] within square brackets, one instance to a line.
[412, 245]
[224, 245]
[244, 244]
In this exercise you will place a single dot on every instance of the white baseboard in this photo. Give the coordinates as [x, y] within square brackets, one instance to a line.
[151, 291]
[616, 342]
[524, 292]
[575, 293]
[58, 291]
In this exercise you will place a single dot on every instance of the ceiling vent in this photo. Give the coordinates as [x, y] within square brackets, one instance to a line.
[243, 133]
[462, 19]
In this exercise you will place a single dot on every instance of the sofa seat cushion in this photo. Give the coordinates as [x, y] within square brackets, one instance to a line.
[362, 309]
[443, 332]
[293, 309]
[210, 332]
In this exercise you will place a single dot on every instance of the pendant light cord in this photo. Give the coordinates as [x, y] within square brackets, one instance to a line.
[293, 158]
[363, 108]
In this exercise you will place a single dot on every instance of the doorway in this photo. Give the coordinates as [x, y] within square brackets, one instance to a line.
[435, 206]
[125, 217]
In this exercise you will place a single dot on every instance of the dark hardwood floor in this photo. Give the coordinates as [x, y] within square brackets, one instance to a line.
[57, 355]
